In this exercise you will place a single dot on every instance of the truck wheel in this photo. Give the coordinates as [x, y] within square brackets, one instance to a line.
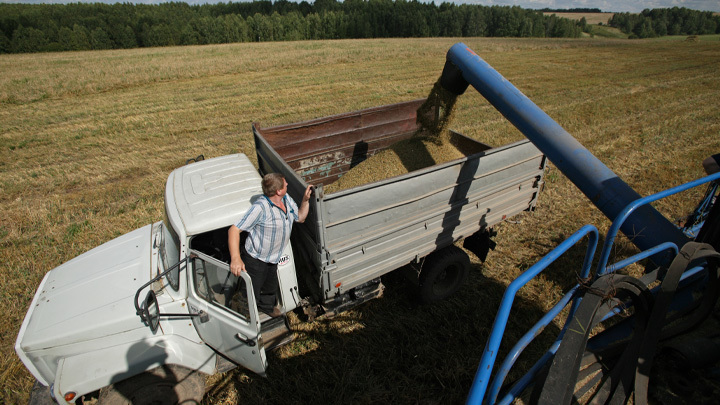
[443, 273]
[40, 395]
[168, 384]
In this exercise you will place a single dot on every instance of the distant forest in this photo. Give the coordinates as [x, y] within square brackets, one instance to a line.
[82, 26]
[77, 26]
[666, 21]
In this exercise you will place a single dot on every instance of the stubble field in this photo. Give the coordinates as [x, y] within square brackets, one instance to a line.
[590, 18]
[87, 141]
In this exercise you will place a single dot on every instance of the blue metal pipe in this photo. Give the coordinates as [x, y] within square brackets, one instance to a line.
[646, 227]
[507, 364]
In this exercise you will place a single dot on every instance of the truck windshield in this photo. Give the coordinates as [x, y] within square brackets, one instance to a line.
[169, 253]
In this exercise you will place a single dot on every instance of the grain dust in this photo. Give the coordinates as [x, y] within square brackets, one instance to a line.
[431, 144]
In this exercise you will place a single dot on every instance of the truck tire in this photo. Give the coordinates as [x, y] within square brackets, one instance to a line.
[168, 384]
[40, 395]
[443, 273]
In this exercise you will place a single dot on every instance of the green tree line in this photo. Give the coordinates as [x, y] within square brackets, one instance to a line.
[82, 26]
[666, 21]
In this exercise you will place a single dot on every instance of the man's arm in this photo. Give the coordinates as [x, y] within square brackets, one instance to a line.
[236, 264]
[305, 205]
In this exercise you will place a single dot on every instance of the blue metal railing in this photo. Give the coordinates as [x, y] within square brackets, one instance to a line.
[602, 267]
[493, 344]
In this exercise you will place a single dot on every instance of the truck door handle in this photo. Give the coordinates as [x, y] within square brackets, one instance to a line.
[245, 339]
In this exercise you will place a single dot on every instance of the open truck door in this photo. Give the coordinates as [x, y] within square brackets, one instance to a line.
[230, 323]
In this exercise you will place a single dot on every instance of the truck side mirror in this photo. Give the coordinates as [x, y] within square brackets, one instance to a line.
[151, 311]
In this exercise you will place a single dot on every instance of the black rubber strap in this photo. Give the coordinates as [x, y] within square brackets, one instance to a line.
[603, 295]
[690, 252]
[633, 360]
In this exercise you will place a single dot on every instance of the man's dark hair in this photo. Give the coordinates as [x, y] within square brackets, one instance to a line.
[271, 183]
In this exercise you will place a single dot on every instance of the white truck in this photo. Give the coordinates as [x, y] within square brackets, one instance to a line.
[147, 315]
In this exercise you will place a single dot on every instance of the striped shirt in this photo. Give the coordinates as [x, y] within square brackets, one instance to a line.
[268, 228]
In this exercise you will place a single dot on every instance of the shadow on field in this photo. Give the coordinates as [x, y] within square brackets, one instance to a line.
[390, 350]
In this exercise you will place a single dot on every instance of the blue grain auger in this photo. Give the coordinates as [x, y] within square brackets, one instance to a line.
[615, 364]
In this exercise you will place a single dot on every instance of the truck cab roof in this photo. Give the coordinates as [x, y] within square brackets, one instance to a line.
[212, 193]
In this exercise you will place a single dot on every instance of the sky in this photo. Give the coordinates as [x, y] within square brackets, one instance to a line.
[632, 6]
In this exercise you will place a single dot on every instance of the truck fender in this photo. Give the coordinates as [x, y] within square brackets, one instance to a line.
[88, 372]
[170, 383]
[40, 395]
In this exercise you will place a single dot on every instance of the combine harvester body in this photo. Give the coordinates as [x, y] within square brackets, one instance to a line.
[682, 280]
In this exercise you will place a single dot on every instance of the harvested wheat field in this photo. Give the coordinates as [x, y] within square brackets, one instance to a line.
[89, 138]
[590, 18]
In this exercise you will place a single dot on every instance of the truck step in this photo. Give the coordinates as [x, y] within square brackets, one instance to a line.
[275, 331]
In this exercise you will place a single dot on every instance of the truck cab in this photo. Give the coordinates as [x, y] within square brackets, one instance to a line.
[82, 333]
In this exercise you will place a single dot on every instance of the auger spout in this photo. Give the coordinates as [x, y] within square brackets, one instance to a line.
[645, 227]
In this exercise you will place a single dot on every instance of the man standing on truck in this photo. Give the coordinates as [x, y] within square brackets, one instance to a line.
[268, 223]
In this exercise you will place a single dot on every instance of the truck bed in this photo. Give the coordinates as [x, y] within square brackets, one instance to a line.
[356, 235]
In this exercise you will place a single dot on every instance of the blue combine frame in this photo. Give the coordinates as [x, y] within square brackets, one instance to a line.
[657, 238]
[486, 389]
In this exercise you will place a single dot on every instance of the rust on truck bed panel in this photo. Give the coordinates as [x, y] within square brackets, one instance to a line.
[322, 150]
